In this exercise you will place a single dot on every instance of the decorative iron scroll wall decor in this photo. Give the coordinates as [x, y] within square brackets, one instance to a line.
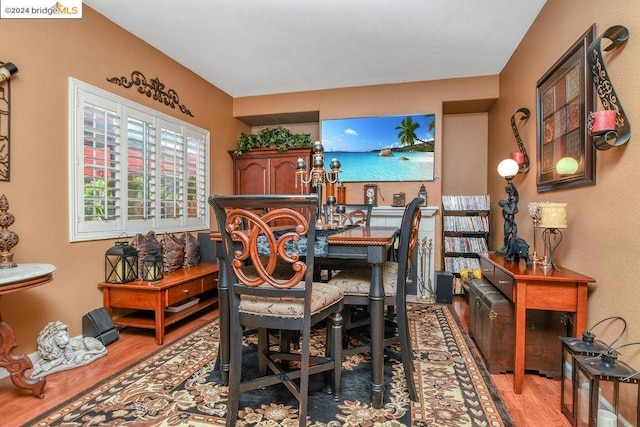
[604, 88]
[153, 89]
[524, 166]
[7, 69]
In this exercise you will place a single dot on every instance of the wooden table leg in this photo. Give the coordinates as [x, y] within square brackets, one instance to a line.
[16, 365]
[580, 321]
[521, 321]
[159, 319]
[376, 306]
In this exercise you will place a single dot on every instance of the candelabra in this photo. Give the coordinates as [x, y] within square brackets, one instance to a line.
[318, 177]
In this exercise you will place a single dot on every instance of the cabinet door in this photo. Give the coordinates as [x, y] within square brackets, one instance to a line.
[251, 176]
[283, 176]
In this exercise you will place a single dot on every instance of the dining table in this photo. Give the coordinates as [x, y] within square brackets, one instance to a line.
[364, 243]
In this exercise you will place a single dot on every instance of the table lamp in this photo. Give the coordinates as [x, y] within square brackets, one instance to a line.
[553, 218]
[508, 168]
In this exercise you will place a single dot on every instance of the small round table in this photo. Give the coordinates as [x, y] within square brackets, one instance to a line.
[19, 278]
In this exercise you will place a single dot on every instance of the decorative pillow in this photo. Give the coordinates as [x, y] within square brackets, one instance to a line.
[191, 250]
[147, 245]
[172, 253]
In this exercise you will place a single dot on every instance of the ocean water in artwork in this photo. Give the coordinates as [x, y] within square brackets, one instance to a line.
[370, 166]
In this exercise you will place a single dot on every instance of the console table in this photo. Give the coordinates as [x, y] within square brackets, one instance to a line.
[540, 289]
[151, 299]
[19, 278]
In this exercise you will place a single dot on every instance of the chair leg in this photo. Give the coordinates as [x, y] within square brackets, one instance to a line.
[263, 348]
[336, 352]
[304, 378]
[407, 352]
[235, 369]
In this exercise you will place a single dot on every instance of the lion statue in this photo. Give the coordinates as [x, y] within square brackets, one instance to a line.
[59, 352]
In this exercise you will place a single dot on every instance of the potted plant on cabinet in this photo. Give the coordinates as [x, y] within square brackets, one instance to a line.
[279, 137]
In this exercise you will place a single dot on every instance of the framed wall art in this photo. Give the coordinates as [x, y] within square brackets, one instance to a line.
[565, 95]
[384, 148]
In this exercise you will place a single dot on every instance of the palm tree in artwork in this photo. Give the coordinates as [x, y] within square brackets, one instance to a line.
[407, 131]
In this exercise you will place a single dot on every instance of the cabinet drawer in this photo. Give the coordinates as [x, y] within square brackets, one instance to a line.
[184, 291]
[209, 282]
[504, 283]
[488, 270]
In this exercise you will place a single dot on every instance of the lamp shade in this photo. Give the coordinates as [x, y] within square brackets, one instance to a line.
[508, 168]
[553, 215]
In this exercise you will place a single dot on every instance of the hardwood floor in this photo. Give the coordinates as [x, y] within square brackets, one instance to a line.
[538, 405]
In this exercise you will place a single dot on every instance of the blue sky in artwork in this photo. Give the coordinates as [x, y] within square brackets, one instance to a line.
[370, 133]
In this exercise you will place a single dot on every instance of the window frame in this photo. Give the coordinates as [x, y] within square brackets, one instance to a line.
[194, 140]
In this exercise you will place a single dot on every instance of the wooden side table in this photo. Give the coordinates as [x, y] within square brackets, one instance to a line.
[539, 289]
[19, 278]
[151, 299]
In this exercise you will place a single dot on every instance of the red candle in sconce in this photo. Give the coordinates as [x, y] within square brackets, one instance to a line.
[602, 121]
[518, 156]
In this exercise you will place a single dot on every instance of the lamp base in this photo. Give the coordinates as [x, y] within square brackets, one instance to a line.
[552, 238]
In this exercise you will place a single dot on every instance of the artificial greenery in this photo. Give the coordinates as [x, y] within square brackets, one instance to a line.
[280, 138]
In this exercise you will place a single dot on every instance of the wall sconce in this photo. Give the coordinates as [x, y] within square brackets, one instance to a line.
[587, 345]
[610, 127]
[7, 69]
[606, 391]
[553, 218]
[521, 156]
[508, 168]
[121, 263]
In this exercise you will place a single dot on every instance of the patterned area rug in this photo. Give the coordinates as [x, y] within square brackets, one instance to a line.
[179, 385]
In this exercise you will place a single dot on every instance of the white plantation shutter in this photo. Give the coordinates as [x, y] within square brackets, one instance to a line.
[133, 169]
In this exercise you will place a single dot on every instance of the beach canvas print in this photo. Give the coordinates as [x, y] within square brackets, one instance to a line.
[374, 149]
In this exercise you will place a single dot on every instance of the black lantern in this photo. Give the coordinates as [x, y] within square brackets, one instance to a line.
[121, 263]
[606, 391]
[587, 345]
[151, 269]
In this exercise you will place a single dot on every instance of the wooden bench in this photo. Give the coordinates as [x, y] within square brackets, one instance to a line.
[150, 300]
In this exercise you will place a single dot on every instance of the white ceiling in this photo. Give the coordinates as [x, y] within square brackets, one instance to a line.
[258, 47]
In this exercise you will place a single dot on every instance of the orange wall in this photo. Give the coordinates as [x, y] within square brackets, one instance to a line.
[47, 53]
[603, 238]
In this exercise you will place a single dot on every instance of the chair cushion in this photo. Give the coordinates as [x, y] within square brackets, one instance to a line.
[356, 281]
[322, 297]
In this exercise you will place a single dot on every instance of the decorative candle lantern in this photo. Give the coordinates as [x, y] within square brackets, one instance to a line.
[121, 263]
[151, 269]
[422, 193]
[605, 391]
[587, 345]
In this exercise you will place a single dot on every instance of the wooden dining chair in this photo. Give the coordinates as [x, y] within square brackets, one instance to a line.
[263, 296]
[350, 215]
[354, 214]
[354, 282]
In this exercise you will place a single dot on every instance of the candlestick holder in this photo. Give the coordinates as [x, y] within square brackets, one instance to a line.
[318, 177]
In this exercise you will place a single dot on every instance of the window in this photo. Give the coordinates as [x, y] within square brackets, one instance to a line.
[132, 169]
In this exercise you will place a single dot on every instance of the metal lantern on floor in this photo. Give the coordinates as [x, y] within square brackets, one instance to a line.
[586, 345]
[121, 263]
[151, 269]
[606, 391]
